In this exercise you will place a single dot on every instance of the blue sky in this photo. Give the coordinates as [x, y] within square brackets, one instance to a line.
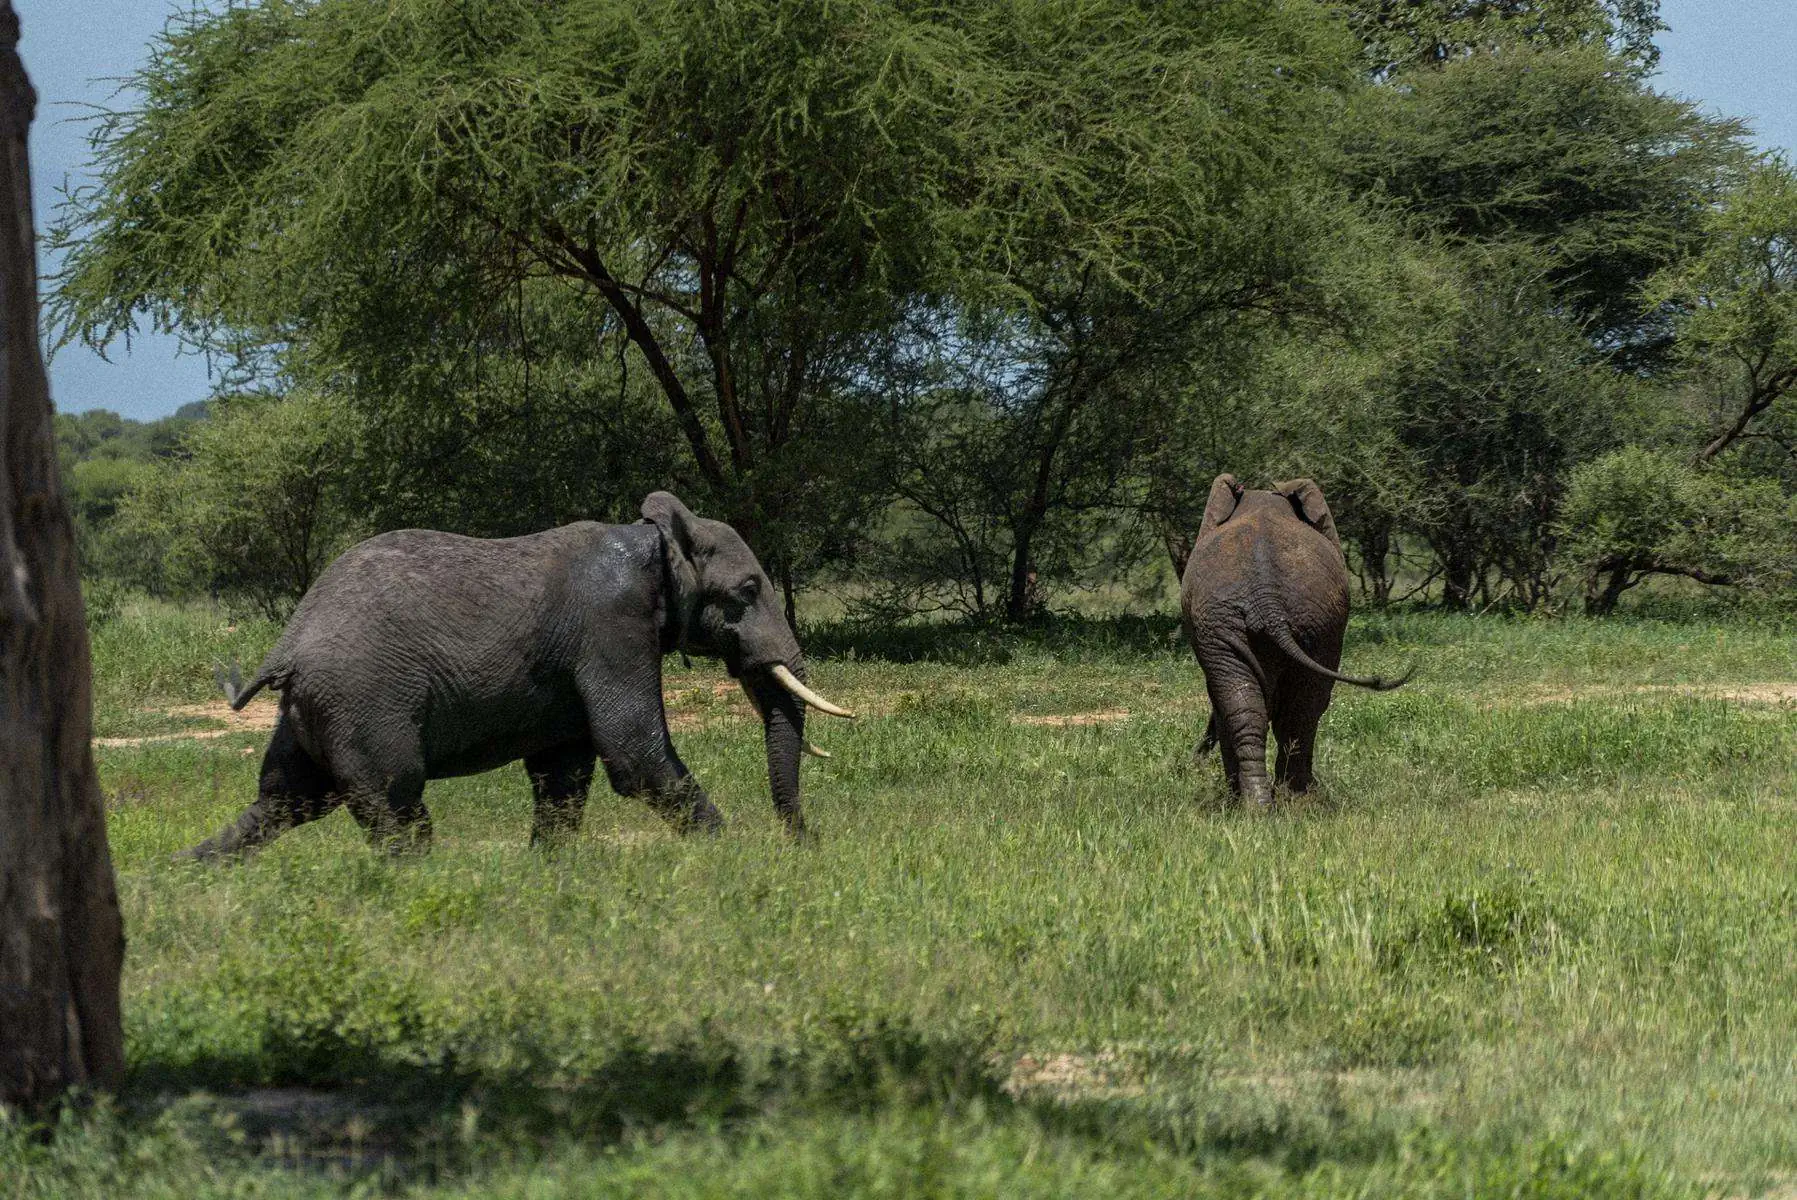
[1737, 57]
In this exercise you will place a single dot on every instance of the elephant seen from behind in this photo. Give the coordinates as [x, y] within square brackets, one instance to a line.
[1265, 602]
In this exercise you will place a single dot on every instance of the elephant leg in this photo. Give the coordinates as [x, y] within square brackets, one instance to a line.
[293, 789]
[630, 733]
[560, 777]
[683, 804]
[1295, 722]
[1242, 725]
[383, 788]
[392, 813]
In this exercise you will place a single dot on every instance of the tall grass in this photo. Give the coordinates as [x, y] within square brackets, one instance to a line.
[1533, 936]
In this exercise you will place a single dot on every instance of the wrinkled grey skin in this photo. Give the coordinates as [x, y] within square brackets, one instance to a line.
[420, 655]
[1265, 602]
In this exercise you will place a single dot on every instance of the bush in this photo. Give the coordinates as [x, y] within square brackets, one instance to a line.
[1637, 512]
[258, 509]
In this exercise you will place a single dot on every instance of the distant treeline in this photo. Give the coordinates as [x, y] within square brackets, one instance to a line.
[952, 307]
[104, 460]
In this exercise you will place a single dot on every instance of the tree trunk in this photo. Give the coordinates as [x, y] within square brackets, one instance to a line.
[1178, 545]
[789, 594]
[1020, 600]
[1459, 578]
[1604, 587]
[61, 944]
[1375, 549]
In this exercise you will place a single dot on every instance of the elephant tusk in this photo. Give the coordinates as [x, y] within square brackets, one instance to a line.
[784, 676]
[810, 749]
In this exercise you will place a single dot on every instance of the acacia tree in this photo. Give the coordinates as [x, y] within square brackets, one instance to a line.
[1561, 153]
[1156, 185]
[1402, 36]
[1492, 410]
[738, 193]
[61, 941]
[746, 196]
[1738, 302]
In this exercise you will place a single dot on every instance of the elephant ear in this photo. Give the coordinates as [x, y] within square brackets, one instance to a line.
[1225, 494]
[1307, 501]
[679, 538]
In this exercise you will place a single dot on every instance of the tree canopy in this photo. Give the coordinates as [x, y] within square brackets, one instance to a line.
[955, 306]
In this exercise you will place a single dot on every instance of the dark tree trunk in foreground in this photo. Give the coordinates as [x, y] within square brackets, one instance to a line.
[61, 944]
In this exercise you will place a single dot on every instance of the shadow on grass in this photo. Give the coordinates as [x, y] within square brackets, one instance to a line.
[354, 1111]
[353, 1108]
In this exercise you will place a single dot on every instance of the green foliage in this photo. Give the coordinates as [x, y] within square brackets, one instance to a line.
[540, 426]
[102, 458]
[746, 198]
[958, 307]
[738, 194]
[1738, 300]
[1561, 152]
[258, 508]
[1402, 36]
[1636, 512]
[1490, 413]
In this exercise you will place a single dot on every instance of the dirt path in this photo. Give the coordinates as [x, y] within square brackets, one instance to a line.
[722, 700]
[258, 716]
[1739, 693]
[1109, 716]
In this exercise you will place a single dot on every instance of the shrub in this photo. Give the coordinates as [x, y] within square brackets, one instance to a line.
[1637, 512]
[257, 510]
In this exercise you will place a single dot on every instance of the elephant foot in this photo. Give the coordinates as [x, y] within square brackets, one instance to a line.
[688, 809]
[398, 841]
[1258, 797]
[706, 824]
[212, 851]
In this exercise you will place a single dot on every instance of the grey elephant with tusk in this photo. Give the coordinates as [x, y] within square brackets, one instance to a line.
[420, 655]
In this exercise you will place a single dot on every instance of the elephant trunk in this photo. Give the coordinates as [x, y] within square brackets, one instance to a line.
[783, 728]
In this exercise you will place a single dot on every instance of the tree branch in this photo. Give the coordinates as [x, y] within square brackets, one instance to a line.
[636, 326]
[1759, 400]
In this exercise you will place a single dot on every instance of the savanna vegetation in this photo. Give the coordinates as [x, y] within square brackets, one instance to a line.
[1532, 937]
[956, 311]
[952, 310]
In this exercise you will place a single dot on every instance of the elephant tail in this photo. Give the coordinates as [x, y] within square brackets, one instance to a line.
[1286, 642]
[237, 693]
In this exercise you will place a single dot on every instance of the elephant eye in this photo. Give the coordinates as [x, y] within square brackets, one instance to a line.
[749, 590]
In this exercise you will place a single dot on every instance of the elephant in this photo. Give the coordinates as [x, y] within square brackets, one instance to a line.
[420, 655]
[1265, 602]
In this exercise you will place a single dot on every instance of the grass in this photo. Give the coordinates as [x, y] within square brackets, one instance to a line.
[1534, 936]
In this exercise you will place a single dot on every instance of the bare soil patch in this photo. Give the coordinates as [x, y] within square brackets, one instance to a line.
[258, 716]
[687, 708]
[1069, 1076]
[1060, 720]
[1390, 1086]
[1778, 693]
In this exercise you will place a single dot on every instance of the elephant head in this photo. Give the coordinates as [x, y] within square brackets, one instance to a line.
[718, 601]
[1305, 497]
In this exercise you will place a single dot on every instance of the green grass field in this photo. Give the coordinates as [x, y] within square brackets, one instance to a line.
[1535, 936]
